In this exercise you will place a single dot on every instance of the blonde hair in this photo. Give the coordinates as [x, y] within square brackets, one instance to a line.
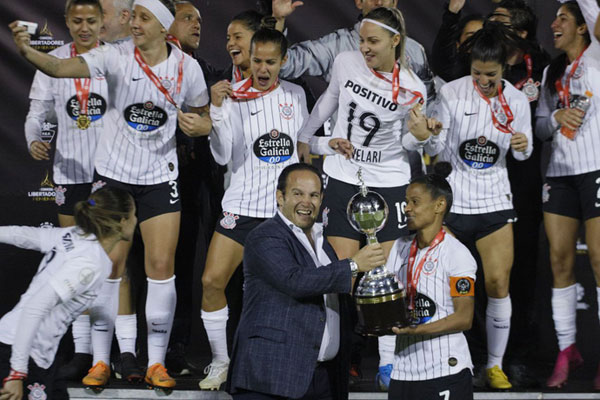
[393, 18]
[102, 212]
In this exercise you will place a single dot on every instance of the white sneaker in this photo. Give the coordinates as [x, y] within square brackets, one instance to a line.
[216, 374]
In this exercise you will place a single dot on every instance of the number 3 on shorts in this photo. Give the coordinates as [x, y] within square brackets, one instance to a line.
[445, 395]
[174, 193]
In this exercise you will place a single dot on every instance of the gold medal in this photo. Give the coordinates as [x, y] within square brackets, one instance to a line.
[83, 122]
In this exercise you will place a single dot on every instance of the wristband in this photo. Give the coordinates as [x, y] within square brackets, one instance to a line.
[15, 376]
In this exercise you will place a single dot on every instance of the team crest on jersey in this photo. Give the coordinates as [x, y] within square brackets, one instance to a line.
[425, 309]
[48, 131]
[37, 392]
[60, 195]
[429, 267]
[325, 217]
[479, 153]
[228, 220]
[286, 110]
[97, 185]
[546, 193]
[167, 83]
[531, 90]
[579, 71]
[274, 147]
[95, 111]
[145, 117]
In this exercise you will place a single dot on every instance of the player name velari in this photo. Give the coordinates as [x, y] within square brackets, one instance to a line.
[366, 156]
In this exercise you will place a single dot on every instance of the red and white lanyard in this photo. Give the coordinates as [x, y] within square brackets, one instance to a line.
[506, 116]
[529, 64]
[154, 78]
[412, 277]
[563, 91]
[243, 92]
[82, 86]
[396, 88]
[237, 74]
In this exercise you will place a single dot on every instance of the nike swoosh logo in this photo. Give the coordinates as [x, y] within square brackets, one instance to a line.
[401, 226]
[173, 201]
[254, 113]
[155, 324]
[469, 114]
[597, 205]
[137, 79]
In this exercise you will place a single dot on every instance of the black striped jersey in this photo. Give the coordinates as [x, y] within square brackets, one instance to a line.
[369, 118]
[138, 145]
[578, 156]
[258, 136]
[75, 148]
[423, 357]
[475, 148]
[75, 266]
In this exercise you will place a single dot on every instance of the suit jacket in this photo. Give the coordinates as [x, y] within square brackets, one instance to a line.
[283, 316]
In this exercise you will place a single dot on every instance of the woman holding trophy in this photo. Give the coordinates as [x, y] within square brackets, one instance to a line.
[380, 104]
[485, 118]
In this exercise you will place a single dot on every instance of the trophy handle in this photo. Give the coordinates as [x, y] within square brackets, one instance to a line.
[379, 271]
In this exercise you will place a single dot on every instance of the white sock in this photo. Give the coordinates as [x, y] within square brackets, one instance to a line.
[215, 324]
[387, 345]
[126, 331]
[82, 331]
[564, 313]
[497, 324]
[103, 313]
[160, 309]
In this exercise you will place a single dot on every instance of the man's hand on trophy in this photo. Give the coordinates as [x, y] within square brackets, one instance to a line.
[369, 257]
[342, 146]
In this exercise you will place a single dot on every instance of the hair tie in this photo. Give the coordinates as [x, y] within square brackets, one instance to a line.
[91, 202]
[384, 26]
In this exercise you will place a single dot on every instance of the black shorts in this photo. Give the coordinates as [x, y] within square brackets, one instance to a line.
[68, 195]
[150, 200]
[237, 227]
[469, 228]
[335, 202]
[575, 196]
[40, 382]
[457, 386]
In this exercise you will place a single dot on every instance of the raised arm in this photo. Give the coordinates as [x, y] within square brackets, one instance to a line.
[75, 67]
[27, 237]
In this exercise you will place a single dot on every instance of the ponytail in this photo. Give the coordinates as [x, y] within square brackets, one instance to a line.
[102, 213]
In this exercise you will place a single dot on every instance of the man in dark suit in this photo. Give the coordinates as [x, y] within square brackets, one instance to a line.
[293, 338]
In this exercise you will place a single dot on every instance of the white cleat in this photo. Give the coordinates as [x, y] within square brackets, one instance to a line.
[216, 375]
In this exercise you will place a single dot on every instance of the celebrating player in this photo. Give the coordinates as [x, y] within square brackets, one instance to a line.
[572, 188]
[486, 117]
[432, 360]
[68, 280]
[148, 79]
[255, 125]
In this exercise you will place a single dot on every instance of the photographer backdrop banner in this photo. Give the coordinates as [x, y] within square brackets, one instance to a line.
[26, 189]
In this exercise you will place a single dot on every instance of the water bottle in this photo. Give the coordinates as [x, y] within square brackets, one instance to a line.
[582, 103]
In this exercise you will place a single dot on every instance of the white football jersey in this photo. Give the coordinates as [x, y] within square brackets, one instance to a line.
[422, 357]
[259, 137]
[75, 266]
[138, 146]
[475, 148]
[370, 119]
[75, 148]
[578, 156]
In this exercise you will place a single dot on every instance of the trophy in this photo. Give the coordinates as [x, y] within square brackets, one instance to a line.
[380, 297]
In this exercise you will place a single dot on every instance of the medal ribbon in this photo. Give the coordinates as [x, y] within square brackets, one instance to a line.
[237, 74]
[396, 88]
[412, 277]
[563, 92]
[506, 128]
[82, 89]
[243, 92]
[154, 78]
[519, 85]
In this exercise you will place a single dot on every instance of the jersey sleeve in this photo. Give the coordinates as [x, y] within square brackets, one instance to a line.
[311, 57]
[325, 106]
[77, 275]
[41, 87]
[522, 124]
[27, 237]
[398, 256]
[197, 93]
[34, 310]
[221, 135]
[102, 59]
[39, 111]
[590, 10]
[545, 124]
[462, 264]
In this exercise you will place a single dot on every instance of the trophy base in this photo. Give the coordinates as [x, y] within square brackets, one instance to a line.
[377, 315]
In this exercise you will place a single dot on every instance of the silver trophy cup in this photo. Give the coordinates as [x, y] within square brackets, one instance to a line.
[380, 297]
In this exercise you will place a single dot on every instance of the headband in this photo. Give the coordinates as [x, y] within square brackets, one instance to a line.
[159, 10]
[384, 26]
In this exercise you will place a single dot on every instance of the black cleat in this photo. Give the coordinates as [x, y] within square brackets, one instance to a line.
[127, 368]
[76, 369]
[175, 360]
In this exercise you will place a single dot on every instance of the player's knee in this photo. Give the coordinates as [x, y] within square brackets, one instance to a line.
[213, 282]
[160, 267]
[497, 285]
